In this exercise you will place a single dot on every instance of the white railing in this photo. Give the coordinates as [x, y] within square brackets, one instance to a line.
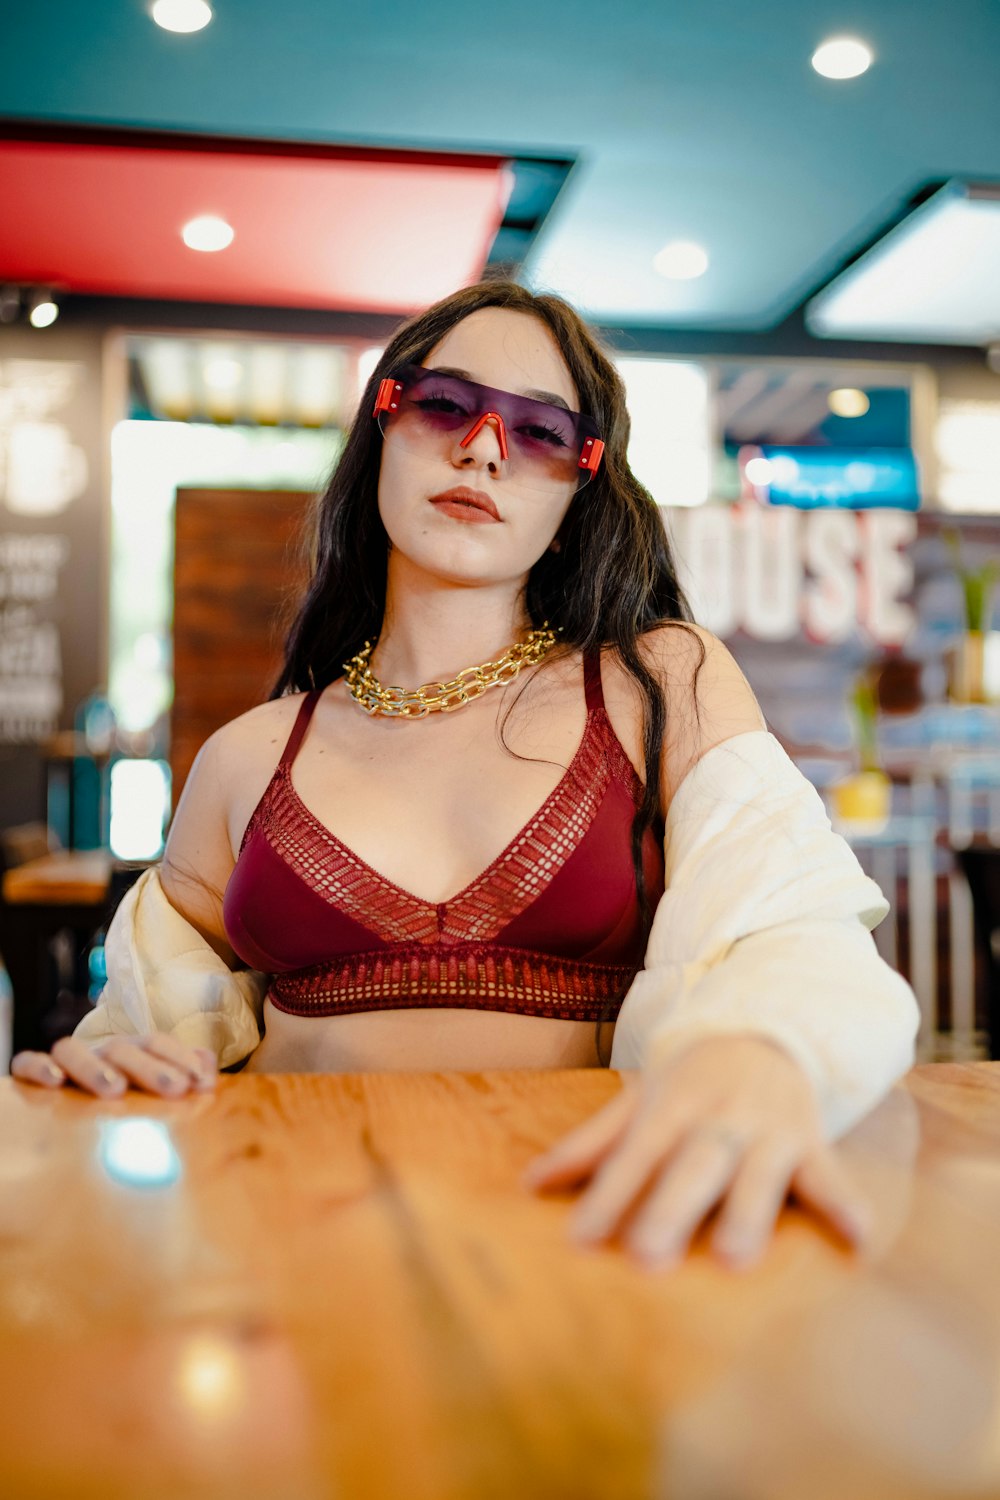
[960, 794]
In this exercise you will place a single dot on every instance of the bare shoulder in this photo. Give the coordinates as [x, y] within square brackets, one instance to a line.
[225, 783]
[689, 659]
[256, 732]
[707, 697]
[244, 753]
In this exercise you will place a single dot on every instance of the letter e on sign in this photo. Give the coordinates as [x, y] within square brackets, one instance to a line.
[887, 574]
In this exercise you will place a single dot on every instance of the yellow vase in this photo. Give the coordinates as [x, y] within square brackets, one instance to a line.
[865, 797]
[967, 676]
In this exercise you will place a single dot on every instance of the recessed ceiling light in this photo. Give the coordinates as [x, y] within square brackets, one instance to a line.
[848, 402]
[42, 311]
[681, 260]
[181, 15]
[208, 233]
[842, 57]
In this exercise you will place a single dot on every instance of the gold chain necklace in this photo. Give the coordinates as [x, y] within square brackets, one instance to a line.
[442, 697]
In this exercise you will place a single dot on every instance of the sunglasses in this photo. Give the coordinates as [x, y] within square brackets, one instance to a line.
[542, 445]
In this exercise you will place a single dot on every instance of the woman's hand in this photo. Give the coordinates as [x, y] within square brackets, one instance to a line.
[156, 1063]
[731, 1123]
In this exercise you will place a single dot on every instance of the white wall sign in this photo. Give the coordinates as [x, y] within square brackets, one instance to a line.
[775, 572]
[31, 691]
[42, 470]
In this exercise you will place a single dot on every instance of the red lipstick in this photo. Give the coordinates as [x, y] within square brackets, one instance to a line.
[466, 505]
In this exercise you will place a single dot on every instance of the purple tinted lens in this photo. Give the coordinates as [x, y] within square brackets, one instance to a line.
[537, 426]
[544, 441]
[442, 404]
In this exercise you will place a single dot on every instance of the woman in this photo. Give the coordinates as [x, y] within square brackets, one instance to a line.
[483, 512]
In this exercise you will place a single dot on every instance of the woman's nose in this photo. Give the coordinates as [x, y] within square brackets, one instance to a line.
[484, 443]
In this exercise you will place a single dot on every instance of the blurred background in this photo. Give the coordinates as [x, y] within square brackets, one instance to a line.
[783, 218]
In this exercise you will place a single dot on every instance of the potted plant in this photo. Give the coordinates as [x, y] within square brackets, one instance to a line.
[966, 679]
[866, 796]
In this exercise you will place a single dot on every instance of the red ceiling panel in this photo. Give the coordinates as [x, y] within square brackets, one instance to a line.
[347, 230]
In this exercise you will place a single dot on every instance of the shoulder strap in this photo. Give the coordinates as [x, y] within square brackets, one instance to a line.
[592, 681]
[300, 726]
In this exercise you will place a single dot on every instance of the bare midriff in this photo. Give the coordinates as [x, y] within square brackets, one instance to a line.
[424, 1040]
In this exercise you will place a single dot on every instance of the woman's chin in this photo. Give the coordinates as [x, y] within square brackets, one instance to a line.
[455, 562]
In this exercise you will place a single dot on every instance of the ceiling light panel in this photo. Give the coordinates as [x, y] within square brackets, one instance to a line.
[932, 279]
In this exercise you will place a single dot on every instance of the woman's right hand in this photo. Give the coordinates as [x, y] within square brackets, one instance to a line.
[156, 1063]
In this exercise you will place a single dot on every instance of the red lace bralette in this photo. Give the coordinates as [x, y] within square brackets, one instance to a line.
[550, 928]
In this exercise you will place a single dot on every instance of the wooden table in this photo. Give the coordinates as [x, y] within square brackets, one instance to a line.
[74, 877]
[345, 1293]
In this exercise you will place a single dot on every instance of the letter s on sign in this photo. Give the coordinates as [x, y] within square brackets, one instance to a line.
[830, 606]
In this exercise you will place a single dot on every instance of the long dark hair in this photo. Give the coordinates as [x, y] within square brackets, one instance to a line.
[612, 579]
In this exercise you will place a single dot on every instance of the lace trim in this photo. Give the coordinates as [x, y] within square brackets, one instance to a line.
[505, 979]
[494, 898]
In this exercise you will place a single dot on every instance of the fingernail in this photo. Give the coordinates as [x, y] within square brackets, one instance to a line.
[204, 1080]
[56, 1074]
[169, 1081]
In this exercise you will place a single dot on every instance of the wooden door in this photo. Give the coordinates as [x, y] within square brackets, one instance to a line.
[240, 568]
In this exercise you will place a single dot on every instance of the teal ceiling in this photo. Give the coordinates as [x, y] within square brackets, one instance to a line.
[699, 121]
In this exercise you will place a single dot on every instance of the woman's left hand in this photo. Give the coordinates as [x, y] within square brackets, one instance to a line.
[730, 1123]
